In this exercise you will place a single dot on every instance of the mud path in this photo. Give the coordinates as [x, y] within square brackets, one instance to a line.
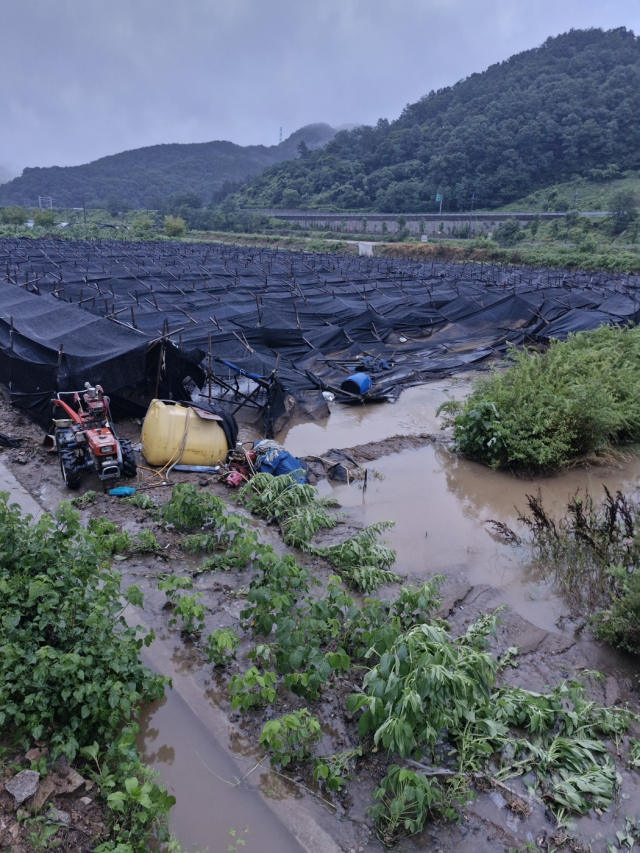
[440, 505]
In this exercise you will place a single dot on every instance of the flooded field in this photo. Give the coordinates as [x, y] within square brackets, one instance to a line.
[440, 503]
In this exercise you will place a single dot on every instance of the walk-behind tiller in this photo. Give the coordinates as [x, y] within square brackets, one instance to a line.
[85, 439]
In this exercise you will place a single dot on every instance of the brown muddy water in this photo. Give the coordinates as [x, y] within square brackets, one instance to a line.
[440, 505]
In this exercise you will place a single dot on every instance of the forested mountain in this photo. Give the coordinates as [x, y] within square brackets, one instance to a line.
[568, 108]
[142, 176]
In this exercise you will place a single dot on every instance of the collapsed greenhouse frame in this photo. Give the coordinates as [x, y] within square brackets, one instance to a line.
[270, 329]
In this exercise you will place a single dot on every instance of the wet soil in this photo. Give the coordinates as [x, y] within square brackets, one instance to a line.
[63, 812]
[207, 754]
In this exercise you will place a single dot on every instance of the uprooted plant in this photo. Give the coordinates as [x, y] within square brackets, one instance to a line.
[592, 553]
[430, 685]
[361, 560]
[295, 506]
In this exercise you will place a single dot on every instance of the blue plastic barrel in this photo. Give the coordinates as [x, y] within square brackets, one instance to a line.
[357, 383]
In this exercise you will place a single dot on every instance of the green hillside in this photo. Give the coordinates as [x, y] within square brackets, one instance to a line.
[143, 176]
[568, 108]
[582, 193]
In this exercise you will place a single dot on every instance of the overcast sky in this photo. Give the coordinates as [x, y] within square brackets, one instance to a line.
[80, 79]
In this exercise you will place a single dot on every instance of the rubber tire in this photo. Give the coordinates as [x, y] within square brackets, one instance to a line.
[70, 470]
[129, 467]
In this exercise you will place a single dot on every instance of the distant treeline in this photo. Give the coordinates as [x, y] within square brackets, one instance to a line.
[144, 177]
[568, 108]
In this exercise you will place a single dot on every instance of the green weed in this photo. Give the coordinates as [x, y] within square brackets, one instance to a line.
[220, 646]
[290, 738]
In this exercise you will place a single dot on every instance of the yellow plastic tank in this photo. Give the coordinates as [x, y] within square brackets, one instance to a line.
[168, 425]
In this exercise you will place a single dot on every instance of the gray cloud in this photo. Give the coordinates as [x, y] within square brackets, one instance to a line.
[80, 79]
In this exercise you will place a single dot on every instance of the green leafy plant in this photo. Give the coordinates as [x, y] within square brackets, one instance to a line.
[220, 646]
[430, 686]
[83, 501]
[172, 584]
[69, 666]
[190, 509]
[139, 500]
[235, 842]
[360, 560]
[190, 611]
[333, 771]
[405, 799]
[144, 542]
[544, 410]
[296, 506]
[252, 688]
[139, 805]
[290, 738]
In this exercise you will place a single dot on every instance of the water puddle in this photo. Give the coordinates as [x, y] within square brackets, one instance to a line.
[347, 426]
[201, 775]
[441, 503]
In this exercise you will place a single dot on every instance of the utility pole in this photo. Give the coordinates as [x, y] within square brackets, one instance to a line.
[84, 211]
[280, 136]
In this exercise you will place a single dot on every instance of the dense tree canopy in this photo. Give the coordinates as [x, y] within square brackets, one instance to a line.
[566, 108]
[141, 177]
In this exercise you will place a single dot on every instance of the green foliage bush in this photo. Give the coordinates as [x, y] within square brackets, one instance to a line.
[175, 226]
[545, 410]
[70, 672]
[13, 215]
[290, 738]
[69, 668]
[43, 218]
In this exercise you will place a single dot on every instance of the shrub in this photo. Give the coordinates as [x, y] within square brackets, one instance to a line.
[69, 667]
[545, 410]
[508, 233]
[13, 215]
[175, 226]
[43, 218]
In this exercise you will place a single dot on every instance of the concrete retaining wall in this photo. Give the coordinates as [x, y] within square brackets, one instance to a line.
[431, 224]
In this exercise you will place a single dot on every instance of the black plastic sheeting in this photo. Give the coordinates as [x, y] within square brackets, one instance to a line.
[32, 366]
[313, 318]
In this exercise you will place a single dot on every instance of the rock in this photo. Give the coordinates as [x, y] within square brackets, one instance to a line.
[35, 754]
[45, 789]
[66, 779]
[86, 801]
[611, 691]
[23, 786]
[58, 816]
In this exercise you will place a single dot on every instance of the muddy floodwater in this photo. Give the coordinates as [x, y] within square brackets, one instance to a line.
[440, 504]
